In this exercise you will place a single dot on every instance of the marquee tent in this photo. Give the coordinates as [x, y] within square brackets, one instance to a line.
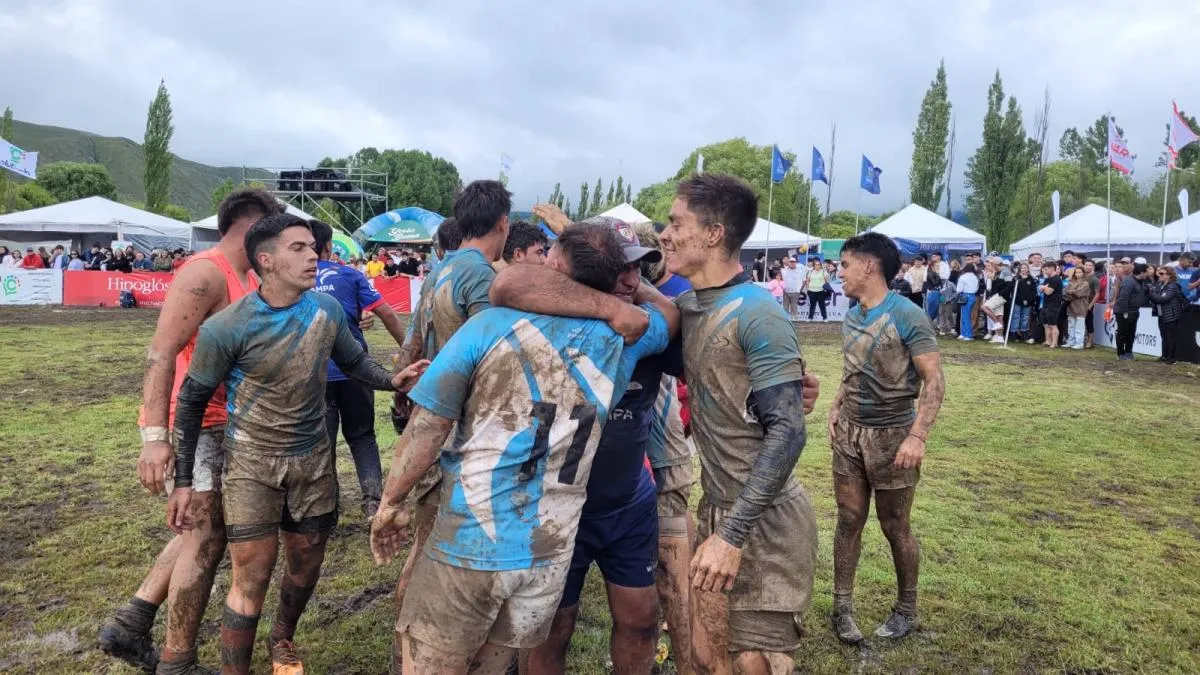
[627, 213]
[1179, 232]
[204, 233]
[1086, 231]
[931, 231]
[768, 235]
[93, 219]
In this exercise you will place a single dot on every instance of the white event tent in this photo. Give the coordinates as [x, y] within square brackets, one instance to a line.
[627, 213]
[768, 235]
[928, 229]
[204, 234]
[90, 220]
[1178, 234]
[1087, 231]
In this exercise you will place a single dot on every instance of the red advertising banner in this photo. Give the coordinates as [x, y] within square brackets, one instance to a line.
[397, 291]
[103, 289]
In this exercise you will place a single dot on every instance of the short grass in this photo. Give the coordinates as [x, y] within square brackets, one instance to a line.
[1059, 516]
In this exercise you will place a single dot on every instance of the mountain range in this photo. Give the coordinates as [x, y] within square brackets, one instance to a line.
[192, 183]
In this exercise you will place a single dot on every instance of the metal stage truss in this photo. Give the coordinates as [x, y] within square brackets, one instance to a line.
[343, 196]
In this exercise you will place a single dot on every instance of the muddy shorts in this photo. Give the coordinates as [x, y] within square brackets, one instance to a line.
[457, 610]
[773, 587]
[870, 453]
[210, 461]
[674, 486]
[267, 493]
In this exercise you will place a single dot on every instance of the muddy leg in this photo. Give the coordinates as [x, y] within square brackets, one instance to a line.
[192, 577]
[710, 633]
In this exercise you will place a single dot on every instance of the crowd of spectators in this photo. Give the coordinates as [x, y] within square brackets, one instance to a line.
[99, 258]
[390, 263]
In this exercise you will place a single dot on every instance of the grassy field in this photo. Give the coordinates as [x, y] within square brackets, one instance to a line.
[1059, 516]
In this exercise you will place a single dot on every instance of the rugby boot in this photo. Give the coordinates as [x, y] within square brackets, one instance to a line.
[846, 630]
[283, 658]
[897, 626]
[131, 646]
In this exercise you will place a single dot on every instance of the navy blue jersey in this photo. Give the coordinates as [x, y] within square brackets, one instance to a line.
[355, 294]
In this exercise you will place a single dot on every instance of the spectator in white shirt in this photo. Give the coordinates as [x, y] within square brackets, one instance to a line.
[938, 265]
[793, 287]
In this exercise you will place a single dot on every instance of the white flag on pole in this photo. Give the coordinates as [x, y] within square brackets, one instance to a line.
[17, 160]
[506, 163]
[699, 162]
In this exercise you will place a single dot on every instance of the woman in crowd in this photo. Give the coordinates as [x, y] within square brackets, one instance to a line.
[1024, 304]
[162, 262]
[900, 283]
[141, 263]
[11, 260]
[1078, 296]
[775, 285]
[1167, 297]
[120, 263]
[814, 285]
[76, 264]
[1052, 302]
[968, 286]
[995, 297]
[932, 290]
[947, 312]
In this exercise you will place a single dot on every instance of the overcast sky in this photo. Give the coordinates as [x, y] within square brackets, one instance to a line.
[576, 90]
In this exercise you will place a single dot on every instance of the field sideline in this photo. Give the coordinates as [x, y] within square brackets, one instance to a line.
[1059, 516]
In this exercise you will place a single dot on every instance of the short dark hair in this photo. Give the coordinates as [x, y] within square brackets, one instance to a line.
[919, 257]
[521, 235]
[264, 233]
[877, 246]
[245, 203]
[1140, 268]
[719, 198]
[480, 206]
[594, 253]
[1187, 255]
[969, 268]
[1051, 264]
[1068, 252]
[449, 237]
[322, 235]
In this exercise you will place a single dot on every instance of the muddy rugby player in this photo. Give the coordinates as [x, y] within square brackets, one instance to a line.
[184, 570]
[270, 351]
[891, 359]
[496, 562]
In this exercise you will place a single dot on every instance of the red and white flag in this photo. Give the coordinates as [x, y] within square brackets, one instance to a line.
[1181, 135]
[1118, 151]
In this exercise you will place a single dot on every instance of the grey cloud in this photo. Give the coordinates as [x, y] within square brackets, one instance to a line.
[577, 91]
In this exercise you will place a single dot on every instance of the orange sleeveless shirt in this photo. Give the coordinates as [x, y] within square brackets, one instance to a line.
[215, 415]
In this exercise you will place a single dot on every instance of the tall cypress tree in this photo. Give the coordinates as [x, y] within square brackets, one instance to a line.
[995, 169]
[583, 202]
[620, 196]
[6, 134]
[596, 198]
[926, 175]
[608, 201]
[629, 194]
[156, 149]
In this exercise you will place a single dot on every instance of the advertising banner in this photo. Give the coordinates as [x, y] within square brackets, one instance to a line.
[31, 287]
[103, 289]
[401, 292]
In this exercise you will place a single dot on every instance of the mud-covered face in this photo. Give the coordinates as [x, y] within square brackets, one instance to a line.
[686, 242]
[628, 282]
[534, 254]
[292, 261]
[854, 272]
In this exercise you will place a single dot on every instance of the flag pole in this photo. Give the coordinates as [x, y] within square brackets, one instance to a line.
[808, 210]
[1108, 170]
[770, 203]
[1163, 233]
[857, 208]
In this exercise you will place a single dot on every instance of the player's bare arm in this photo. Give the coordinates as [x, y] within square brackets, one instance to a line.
[835, 410]
[197, 291]
[416, 450]
[715, 565]
[542, 290]
[933, 390]
[189, 419]
[647, 294]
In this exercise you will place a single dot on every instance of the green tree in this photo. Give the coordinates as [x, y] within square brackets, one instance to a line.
[1151, 209]
[6, 134]
[655, 200]
[1063, 176]
[628, 194]
[69, 181]
[566, 207]
[30, 195]
[417, 178]
[177, 212]
[995, 169]
[219, 193]
[927, 174]
[583, 202]
[752, 163]
[157, 151]
[620, 192]
[595, 208]
[608, 201]
[556, 196]
[330, 213]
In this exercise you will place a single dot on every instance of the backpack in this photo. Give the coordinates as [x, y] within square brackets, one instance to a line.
[127, 300]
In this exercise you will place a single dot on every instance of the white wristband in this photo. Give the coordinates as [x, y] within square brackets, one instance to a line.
[155, 435]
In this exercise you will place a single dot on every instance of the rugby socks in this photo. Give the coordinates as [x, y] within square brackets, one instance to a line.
[292, 601]
[843, 603]
[237, 641]
[136, 616]
[906, 602]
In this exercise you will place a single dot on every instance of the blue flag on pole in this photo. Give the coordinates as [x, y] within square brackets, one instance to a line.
[818, 167]
[869, 180]
[779, 165]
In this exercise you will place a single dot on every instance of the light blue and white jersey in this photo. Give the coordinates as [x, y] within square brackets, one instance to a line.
[531, 394]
